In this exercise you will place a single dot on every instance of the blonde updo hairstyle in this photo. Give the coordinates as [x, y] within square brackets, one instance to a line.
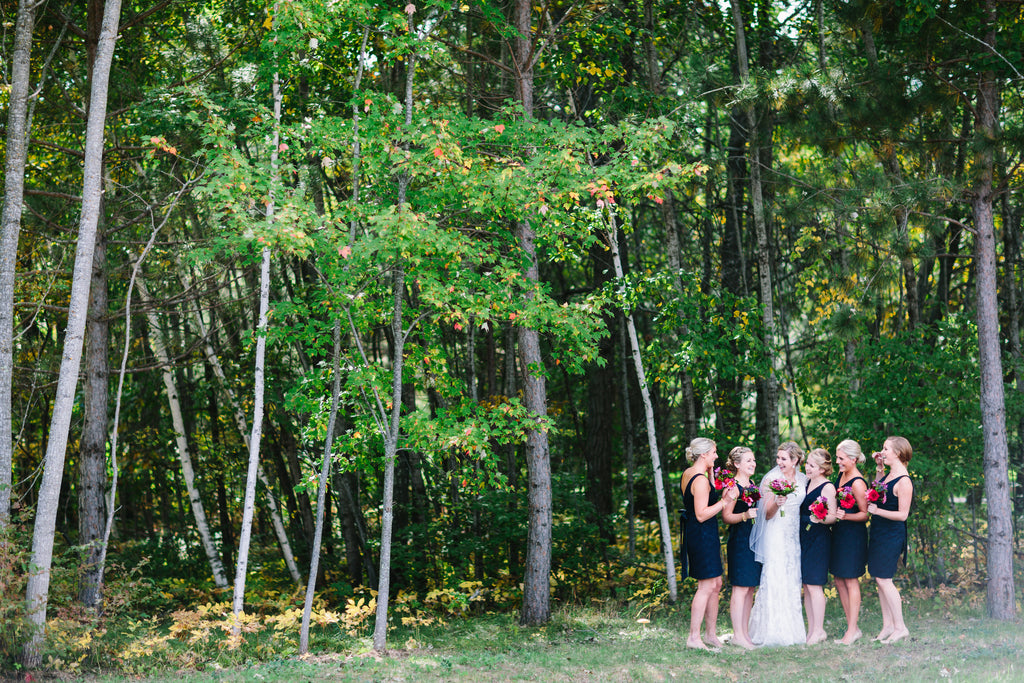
[852, 450]
[736, 456]
[796, 453]
[697, 448]
[821, 458]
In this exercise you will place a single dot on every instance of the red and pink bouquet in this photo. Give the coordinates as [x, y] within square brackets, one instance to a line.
[845, 498]
[819, 508]
[876, 492]
[724, 479]
[781, 487]
[750, 495]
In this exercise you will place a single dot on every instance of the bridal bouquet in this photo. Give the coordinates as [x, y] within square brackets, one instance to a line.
[845, 498]
[876, 492]
[781, 487]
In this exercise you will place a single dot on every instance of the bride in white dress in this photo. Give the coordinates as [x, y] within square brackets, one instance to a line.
[777, 615]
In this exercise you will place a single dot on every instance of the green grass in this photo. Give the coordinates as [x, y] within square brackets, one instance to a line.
[597, 644]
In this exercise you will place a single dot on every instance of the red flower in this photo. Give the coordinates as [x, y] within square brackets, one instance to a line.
[819, 508]
[723, 479]
[846, 499]
[877, 493]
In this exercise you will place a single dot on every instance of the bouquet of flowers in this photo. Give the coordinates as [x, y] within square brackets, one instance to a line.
[845, 498]
[781, 487]
[819, 508]
[876, 492]
[724, 479]
[750, 495]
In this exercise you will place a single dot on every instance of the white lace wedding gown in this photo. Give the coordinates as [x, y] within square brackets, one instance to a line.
[777, 615]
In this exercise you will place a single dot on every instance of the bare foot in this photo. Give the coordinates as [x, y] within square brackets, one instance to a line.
[745, 644]
[881, 637]
[815, 638]
[850, 638]
[697, 644]
[713, 641]
[896, 636]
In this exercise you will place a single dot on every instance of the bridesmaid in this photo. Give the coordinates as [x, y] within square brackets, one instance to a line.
[816, 540]
[703, 547]
[744, 571]
[888, 538]
[850, 536]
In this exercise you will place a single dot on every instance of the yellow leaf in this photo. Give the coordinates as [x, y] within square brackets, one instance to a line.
[269, 23]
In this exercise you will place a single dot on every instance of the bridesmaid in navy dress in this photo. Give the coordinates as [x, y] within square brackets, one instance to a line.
[888, 538]
[850, 535]
[744, 570]
[703, 548]
[816, 540]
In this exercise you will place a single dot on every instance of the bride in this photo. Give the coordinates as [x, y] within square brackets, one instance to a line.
[777, 617]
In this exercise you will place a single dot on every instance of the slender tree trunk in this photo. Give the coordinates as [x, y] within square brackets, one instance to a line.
[38, 585]
[92, 464]
[1000, 593]
[249, 505]
[763, 250]
[14, 189]
[321, 496]
[213, 362]
[391, 431]
[184, 457]
[537, 579]
[652, 440]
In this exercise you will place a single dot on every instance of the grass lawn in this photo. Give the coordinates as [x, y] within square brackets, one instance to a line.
[595, 644]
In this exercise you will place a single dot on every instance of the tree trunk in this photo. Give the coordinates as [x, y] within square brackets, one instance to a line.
[14, 189]
[187, 471]
[652, 441]
[1000, 593]
[770, 394]
[321, 496]
[213, 362]
[38, 585]
[92, 463]
[537, 579]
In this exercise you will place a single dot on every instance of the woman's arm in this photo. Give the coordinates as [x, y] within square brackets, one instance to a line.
[830, 502]
[701, 490]
[904, 491]
[731, 517]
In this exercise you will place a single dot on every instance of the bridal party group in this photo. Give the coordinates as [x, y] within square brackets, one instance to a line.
[788, 533]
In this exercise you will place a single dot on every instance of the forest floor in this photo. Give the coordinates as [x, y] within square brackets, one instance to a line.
[581, 644]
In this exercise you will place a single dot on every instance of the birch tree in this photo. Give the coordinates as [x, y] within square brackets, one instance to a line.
[37, 590]
[181, 441]
[14, 188]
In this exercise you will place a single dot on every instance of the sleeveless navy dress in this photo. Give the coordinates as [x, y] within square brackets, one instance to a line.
[743, 569]
[703, 547]
[815, 541]
[849, 544]
[888, 538]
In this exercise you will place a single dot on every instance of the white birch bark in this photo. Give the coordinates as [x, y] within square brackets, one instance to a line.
[14, 190]
[652, 440]
[181, 441]
[38, 586]
[245, 533]
[243, 429]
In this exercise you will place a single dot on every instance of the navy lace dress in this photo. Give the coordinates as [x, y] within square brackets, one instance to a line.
[815, 542]
[888, 538]
[703, 547]
[849, 544]
[743, 569]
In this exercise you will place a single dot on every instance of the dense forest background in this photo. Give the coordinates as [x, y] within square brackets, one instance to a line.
[513, 257]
